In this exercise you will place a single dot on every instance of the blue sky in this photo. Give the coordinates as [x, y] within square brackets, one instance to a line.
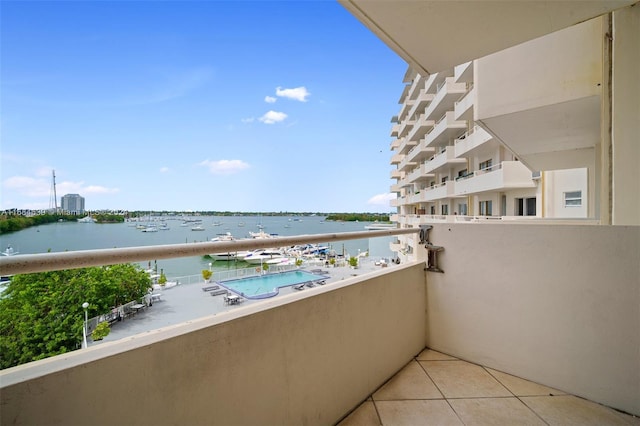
[197, 105]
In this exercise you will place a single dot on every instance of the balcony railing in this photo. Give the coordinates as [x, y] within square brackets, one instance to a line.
[251, 365]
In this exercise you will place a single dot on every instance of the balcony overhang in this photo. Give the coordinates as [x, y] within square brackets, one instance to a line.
[414, 29]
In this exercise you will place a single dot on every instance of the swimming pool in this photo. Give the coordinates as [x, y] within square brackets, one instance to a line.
[264, 286]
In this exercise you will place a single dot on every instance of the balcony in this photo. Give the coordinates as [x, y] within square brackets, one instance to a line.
[420, 152]
[463, 73]
[397, 174]
[506, 175]
[468, 142]
[443, 159]
[421, 102]
[463, 108]
[421, 128]
[419, 174]
[445, 129]
[395, 130]
[448, 92]
[307, 357]
[397, 159]
[438, 192]
[406, 145]
[405, 127]
[395, 144]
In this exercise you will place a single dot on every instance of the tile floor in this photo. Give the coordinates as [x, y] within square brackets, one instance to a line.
[437, 389]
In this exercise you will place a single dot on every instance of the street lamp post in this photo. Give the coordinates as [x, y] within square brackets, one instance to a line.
[85, 305]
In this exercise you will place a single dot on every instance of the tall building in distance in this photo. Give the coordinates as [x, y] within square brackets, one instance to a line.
[72, 204]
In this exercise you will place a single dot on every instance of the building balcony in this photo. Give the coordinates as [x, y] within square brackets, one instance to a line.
[397, 174]
[421, 102]
[463, 108]
[408, 163]
[405, 127]
[419, 174]
[468, 142]
[397, 159]
[421, 128]
[438, 192]
[448, 92]
[406, 145]
[445, 130]
[395, 130]
[463, 73]
[395, 144]
[396, 187]
[306, 357]
[506, 175]
[420, 152]
[443, 159]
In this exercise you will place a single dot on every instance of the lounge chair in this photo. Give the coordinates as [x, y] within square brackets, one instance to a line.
[321, 282]
[299, 287]
[218, 292]
[210, 288]
[310, 284]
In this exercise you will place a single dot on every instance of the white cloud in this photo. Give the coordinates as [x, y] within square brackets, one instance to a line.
[248, 120]
[225, 167]
[95, 189]
[297, 94]
[164, 169]
[272, 117]
[40, 187]
[28, 186]
[270, 99]
[382, 199]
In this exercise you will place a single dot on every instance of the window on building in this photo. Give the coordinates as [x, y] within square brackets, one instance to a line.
[432, 210]
[445, 209]
[444, 179]
[462, 209]
[573, 199]
[485, 208]
[485, 164]
[526, 206]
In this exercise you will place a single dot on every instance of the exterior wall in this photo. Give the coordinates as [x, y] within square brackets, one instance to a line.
[625, 113]
[298, 359]
[556, 304]
[557, 182]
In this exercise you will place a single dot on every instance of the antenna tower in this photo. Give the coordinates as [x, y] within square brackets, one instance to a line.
[53, 197]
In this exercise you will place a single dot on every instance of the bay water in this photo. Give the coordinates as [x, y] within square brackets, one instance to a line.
[72, 236]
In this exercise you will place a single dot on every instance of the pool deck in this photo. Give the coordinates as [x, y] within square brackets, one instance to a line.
[187, 302]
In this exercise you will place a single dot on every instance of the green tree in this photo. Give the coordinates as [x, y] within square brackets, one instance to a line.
[41, 314]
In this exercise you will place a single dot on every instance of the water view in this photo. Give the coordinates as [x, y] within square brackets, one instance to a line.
[71, 236]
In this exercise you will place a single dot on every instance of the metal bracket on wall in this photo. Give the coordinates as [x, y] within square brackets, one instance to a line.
[432, 251]
[432, 257]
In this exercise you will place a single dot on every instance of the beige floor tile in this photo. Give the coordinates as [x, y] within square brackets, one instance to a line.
[494, 411]
[364, 415]
[460, 379]
[570, 410]
[431, 355]
[409, 383]
[418, 412]
[522, 387]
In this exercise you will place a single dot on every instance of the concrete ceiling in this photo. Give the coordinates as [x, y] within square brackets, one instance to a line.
[434, 35]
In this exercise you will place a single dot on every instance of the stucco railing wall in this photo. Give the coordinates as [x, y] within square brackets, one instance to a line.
[297, 359]
[556, 304]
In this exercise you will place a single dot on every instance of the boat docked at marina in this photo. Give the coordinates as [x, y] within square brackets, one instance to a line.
[9, 251]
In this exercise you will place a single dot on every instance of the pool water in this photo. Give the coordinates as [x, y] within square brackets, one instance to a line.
[264, 286]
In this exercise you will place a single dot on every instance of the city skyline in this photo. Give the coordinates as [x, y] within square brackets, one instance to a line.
[201, 106]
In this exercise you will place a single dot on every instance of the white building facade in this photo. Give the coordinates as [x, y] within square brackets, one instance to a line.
[447, 165]
[72, 204]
